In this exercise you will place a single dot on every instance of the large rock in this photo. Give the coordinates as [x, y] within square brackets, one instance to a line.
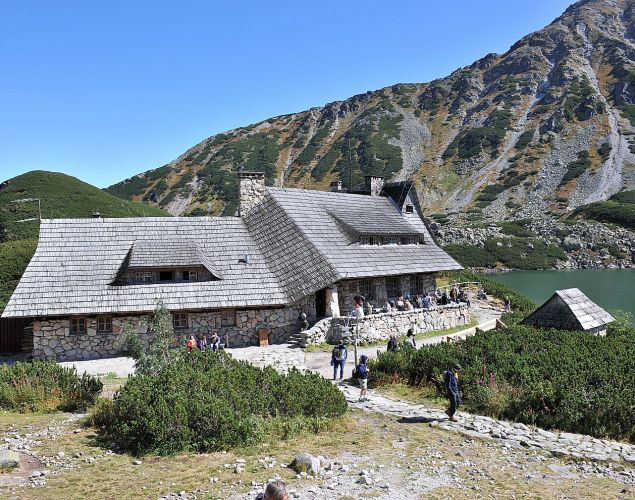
[305, 462]
[9, 459]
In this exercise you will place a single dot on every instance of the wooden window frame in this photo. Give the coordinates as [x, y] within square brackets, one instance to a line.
[416, 284]
[143, 276]
[397, 286]
[73, 329]
[224, 317]
[107, 319]
[410, 209]
[367, 288]
[191, 275]
[178, 319]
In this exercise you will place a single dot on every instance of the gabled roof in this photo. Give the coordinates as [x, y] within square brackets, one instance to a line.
[569, 309]
[77, 260]
[308, 250]
[295, 243]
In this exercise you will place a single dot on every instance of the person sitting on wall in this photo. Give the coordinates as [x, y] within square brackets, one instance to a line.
[215, 342]
[202, 343]
[387, 307]
[419, 301]
[438, 295]
[191, 344]
[400, 304]
[481, 294]
[444, 298]
[408, 305]
[368, 308]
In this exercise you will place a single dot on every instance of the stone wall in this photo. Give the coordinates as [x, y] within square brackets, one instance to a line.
[52, 338]
[377, 327]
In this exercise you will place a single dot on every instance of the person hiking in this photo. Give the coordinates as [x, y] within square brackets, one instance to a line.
[508, 305]
[393, 345]
[410, 340]
[361, 373]
[191, 344]
[451, 380]
[338, 359]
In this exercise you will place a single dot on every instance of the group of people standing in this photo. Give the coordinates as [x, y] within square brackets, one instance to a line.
[203, 343]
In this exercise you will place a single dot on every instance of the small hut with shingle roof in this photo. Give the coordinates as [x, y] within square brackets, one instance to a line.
[570, 309]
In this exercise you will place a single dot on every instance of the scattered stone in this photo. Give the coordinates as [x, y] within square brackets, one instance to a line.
[305, 462]
[9, 459]
[137, 462]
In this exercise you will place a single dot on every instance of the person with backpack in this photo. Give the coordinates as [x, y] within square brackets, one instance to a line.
[451, 380]
[393, 345]
[361, 373]
[338, 359]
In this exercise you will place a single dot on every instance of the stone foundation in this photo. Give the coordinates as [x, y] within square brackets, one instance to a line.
[377, 327]
[52, 339]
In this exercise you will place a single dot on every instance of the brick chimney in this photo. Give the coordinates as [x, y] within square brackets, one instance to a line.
[374, 184]
[252, 190]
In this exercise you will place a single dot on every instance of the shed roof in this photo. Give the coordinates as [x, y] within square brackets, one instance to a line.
[580, 313]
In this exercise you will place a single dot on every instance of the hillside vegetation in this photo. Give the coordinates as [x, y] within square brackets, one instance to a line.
[543, 128]
[618, 209]
[61, 196]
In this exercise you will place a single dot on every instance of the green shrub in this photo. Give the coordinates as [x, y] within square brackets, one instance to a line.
[525, 138]
[568, 380]
[209, 401]
[576, 168]
[45, 386]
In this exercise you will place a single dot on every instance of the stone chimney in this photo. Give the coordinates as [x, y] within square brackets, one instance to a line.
[252, 190]
[374, 184]
[336, 186]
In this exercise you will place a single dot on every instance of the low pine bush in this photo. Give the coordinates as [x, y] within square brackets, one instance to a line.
[567, 380]
[45, 386]
[209, 401]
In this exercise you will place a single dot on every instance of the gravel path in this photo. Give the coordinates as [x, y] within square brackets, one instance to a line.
[510, 435]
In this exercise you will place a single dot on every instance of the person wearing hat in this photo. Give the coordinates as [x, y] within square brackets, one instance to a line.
[451, 379]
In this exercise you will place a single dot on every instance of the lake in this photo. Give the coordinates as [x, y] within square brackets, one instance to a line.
[613, 289]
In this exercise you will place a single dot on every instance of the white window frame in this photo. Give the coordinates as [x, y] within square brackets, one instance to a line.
[410, 209]
[180, 321]
[104, 323]
[228, 317]
[143, 276]
[75, 322]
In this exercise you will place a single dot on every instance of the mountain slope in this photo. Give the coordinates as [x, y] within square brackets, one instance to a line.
[545, 127]
[60, 196]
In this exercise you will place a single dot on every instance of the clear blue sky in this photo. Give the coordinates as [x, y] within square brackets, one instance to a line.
[106, 89]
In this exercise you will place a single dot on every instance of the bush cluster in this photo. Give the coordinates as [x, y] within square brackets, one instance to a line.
[45, 386]
[554, 379]
[209, 401]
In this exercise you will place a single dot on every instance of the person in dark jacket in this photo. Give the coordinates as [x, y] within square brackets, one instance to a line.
[361, 372]
[338, 359]
[393, 345]
[451, 379]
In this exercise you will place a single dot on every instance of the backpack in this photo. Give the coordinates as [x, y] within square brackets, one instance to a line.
[339, 353]
[361, 371]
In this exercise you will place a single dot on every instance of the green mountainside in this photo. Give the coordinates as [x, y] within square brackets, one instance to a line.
[546, 127]
[61, 196]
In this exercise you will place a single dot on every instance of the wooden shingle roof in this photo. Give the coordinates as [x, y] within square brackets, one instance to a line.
[295, 243]
[77, 260]
[587, 312]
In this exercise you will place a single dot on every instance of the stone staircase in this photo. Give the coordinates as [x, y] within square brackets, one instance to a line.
[296, 339]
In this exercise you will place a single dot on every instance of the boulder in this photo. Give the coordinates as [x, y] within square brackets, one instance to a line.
[9, 459]
[305, 462]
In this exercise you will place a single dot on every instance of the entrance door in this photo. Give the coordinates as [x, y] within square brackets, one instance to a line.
[320, 303]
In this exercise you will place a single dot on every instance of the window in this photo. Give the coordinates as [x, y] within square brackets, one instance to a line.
[392, 286]
[416, 284]
[366, 288]
[190, 275]
[228, 318]
[179, 320]
[166, 275]
[104, 324]
[410, 209]
[370, 240]
[78, 325]
[144, 277]
[391, 240]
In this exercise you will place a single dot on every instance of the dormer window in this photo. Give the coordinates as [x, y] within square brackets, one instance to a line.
[166, 275]
[143, 277]
[410, 209]
[190, 275]
[391, 240]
